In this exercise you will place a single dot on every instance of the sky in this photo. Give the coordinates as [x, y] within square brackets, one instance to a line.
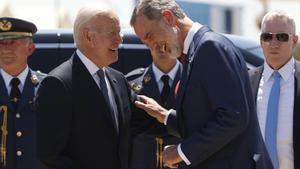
[45, 12]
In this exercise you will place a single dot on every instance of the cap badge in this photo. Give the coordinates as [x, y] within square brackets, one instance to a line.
[5, 25]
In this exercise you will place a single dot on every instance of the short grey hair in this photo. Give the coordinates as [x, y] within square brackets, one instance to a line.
[281, 15]
[85, 19]
[153, 9]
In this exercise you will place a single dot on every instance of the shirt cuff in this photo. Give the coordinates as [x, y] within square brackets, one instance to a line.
[167, 115]
[187, 162]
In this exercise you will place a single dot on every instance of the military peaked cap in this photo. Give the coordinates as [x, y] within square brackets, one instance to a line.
[13, 28]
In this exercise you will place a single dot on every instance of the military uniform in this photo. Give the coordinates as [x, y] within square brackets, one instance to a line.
[149, 136]
[17, 115]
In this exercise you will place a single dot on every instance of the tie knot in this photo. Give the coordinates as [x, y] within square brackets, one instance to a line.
[100, 73]
[15, 82]
[183, 58]
[165, 79]
[276, 74]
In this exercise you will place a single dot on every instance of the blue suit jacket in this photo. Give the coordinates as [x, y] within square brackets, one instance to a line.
[146, 128]
[24, 124]
[215, 106]
[255, 76]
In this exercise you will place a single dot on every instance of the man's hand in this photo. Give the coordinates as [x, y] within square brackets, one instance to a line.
[151, 107]
[171, 157]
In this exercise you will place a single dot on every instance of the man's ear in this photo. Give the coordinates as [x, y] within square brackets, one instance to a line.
[169, 17]
[31, 48]
[295, 40]
[88, 36]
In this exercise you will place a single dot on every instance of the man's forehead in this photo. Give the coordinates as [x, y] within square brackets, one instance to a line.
[277, 24]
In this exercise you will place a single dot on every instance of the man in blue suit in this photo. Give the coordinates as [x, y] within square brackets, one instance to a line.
[157, 81]
[18, 84]
[281, 135]
[215, 112]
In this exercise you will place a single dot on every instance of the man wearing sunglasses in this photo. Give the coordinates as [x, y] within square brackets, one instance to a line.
[276, 85]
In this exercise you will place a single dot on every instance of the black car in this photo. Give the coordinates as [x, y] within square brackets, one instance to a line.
[54, 47]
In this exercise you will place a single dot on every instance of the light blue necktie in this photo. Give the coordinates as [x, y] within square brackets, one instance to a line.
[271, 124]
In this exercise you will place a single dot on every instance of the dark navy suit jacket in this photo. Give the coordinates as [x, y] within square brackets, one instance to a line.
[22, 121]
[255, 76]
[215, 106]
[146, 128]
[75, 125]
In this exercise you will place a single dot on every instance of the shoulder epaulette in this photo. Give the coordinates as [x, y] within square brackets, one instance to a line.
[37, 77]
[135, 73]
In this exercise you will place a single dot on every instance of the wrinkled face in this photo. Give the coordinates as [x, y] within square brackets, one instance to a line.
[14, 52]
[278, 46]
[161, 37]
[106, 39]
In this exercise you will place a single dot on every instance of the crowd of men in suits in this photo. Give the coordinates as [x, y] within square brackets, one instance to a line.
[196, 106]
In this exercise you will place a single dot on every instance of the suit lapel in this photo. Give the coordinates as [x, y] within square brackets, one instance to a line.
[150, 87]
[82, 77]
[296, 118]
[255, 76]
[187, 67]
[4, 98]
[115, 86]
[27, 93]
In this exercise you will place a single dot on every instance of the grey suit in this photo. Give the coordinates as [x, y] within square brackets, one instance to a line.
[255, 76]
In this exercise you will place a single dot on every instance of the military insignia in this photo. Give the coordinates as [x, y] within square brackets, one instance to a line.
[5, 25]
[34, 79]
[136, 87]
[147, 78]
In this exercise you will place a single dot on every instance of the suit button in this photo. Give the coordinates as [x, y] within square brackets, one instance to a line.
[19, 134]
[18, 115]
[19, 153]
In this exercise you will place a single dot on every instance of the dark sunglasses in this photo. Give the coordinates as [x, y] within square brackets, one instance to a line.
[281, 37]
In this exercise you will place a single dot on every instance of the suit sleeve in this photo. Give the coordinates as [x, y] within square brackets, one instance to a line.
[53, 124]
[221, 77]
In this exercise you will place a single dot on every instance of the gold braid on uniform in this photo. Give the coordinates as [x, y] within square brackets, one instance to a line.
[159, 151]
[3, 109]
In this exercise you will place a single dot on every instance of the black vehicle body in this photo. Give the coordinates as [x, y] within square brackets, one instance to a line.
[56, 46]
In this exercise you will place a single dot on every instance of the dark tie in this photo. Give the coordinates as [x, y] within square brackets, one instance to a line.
[183, 58]
[104, 90]
[165, 90]
[272, 119]
[15, 93]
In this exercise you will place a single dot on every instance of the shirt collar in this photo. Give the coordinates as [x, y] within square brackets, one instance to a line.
[158, 73]
[285, 72]
[187, 41]
[22, 76]
[91, 67]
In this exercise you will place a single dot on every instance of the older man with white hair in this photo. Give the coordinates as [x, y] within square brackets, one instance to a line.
[83, 105]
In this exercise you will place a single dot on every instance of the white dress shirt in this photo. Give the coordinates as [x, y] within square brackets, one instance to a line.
[187, 42]
[92, 68]
[285, 110]
[7, 78]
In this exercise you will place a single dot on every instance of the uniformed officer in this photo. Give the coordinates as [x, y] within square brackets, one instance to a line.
[18, 84]
[157, 81]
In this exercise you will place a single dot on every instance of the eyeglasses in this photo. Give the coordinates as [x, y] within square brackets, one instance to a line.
[281, 37]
